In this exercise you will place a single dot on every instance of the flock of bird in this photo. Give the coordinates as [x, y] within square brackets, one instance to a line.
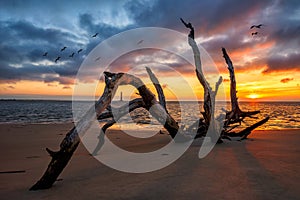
[255, 26]
[138, 43]
[73, 53]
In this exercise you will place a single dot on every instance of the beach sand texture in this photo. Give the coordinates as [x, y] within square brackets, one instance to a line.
[266, 166]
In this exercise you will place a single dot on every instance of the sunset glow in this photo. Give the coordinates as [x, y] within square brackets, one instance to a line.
[253, 96]
[266, 65]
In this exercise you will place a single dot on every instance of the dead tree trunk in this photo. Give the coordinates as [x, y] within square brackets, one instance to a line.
[70, 142]
[236, 115]
[209, 94]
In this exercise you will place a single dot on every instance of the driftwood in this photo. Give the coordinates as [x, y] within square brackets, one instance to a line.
[133, 104]
[236, 115]
[71, 141]
[69, 144]
[118, 113]
[209, 123]
[158, 109]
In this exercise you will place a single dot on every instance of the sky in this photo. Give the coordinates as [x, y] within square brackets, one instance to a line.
[267, 65]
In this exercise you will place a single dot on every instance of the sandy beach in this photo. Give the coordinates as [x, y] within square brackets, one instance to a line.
[266, 166]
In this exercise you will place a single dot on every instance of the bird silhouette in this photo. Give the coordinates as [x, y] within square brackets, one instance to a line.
[95, 35]
[140, 42]
[71, 56]
[97, 58]
[80, 50]
[63, 49]
[255, 33]
[45, 54]
[57, 59]
[256, 26]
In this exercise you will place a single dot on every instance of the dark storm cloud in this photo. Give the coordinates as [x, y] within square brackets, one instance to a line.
[23, 45]
[280, 62]
[88, 23]
[12, 74]
[204, 15]
[28, 31]
[60, 80]
[23, 42]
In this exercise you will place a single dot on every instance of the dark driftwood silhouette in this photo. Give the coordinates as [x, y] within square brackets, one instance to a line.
[70, 142]
[59, 159]
[236, 115]
[189, 25]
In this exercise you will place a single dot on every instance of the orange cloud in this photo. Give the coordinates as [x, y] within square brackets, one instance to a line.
[286, 80]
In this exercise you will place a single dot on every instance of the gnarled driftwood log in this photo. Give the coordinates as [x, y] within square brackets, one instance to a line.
[70, 142]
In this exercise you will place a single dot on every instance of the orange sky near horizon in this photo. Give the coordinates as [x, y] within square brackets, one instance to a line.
[267, 64]
[250, 85]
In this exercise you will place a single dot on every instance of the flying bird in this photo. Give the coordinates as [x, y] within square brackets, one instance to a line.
[57, 59]
[71, 56]
[63, 49]
[80, 50]
[255, 33]
[95, 35]
[45, 54]
[256, 26]
[140, 42]
[97, 58]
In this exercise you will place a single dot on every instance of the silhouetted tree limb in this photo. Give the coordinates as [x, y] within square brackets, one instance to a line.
[236, 115]
[209, 94]
[189, 26]
[118, 113]
[133, 104]
[248, 130]
[70, 142]
[153, 106]
[159, 90]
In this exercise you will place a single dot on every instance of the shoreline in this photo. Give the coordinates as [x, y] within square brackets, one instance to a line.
[266, 166]
[112, 128]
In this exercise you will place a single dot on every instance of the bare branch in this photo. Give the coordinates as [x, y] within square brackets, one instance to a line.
[158, 88]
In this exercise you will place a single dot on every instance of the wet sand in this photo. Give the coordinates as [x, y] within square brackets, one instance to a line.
[266, 166]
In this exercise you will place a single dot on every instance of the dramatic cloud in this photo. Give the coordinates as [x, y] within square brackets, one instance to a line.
[284, 62]
[21, 53]
[28, 30]
[286, 80]
[66, 87]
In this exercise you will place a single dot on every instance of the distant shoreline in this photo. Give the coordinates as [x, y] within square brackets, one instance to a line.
[64, 100]
[113, 128]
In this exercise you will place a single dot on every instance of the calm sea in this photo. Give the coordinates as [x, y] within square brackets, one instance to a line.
[283, 115]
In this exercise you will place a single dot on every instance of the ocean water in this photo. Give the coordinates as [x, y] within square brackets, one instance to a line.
[283, 115]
